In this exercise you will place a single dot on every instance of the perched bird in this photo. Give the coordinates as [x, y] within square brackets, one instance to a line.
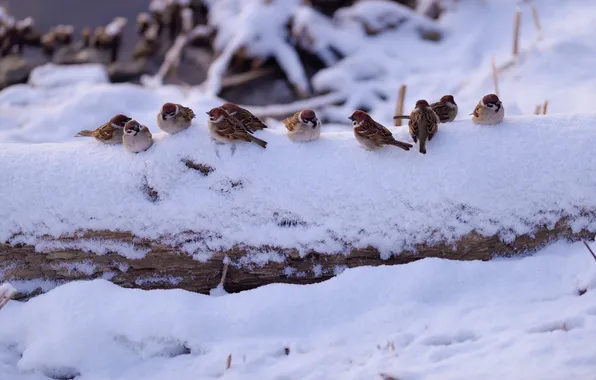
[109, 133]
[247, 119]
[423, 124]
[137, 137]
[373, 135]
[303, 126]
[226, 129]
[174, 118]
[489, 110]
[445, 108]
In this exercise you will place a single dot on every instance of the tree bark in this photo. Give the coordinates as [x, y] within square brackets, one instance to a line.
[168, 267]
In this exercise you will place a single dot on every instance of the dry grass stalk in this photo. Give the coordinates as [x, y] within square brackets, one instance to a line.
[545, 107]
[538, 110]
[590, 249]
[229, 361]
[399, 106]
[495, 75]
[516, 33]
[536, 19]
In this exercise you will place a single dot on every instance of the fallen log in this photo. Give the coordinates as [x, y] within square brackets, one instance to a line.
[166, 267]
[172, 216]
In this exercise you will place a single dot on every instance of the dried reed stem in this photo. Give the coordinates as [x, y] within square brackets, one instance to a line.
[545, 107]
[399, 106]
[536, 19]
[516, 33]
[495, 75]
[229, 361]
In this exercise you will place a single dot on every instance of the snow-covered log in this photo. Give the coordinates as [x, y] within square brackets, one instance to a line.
[297, 213]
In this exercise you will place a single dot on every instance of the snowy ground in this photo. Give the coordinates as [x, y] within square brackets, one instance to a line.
[432, 319]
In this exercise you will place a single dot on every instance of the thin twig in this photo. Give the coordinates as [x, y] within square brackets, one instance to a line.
[399, 106]
[229, 361]
[516, 33]
[291, 108]
[242, 78]
[590, 249]
[545, 107]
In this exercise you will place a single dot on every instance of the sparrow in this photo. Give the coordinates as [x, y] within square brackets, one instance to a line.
[489, 111]
[137, 137]
[174, 118]
[247, 119]
[445, 108]
[303, 126]
[373, 135]
[226, 129]
[109, 133]
[423, 124]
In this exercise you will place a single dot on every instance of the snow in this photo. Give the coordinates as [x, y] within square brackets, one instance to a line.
[510, 318]
[321, 196]
[507, 318]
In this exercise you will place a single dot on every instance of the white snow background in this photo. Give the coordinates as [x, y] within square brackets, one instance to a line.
[432, 319]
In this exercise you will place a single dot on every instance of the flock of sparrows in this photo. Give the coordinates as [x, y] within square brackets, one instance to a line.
[231, 124]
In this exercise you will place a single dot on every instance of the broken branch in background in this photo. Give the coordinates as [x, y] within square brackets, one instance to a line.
[173, 56]
[277, 110]
[7, 291]
[516, 33]
[399, 106]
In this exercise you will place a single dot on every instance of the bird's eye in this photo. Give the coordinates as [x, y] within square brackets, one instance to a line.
[489, 105]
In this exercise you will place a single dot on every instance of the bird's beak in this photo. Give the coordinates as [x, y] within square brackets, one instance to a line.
[351, 118]
[207, 113]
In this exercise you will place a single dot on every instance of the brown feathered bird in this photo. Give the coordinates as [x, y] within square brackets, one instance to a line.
[247, 119]
[109, 133]
[174, 118]
[226, 129]
[303, 126]
[489, 110]
[424, 124]
[445, 108]
[373, 135]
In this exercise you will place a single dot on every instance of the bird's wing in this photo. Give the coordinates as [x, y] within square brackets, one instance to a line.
[105, 132]
[249, 120]
[442, 110]
[413, 125]
[291, 121]
[186, 112]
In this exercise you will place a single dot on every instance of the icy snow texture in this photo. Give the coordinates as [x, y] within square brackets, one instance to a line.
[325, 195]
[432, 319]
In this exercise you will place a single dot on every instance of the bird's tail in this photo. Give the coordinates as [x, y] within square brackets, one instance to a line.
[401, 117]
[85, 133]
[258, 141]
[403, 145]
[422, 146]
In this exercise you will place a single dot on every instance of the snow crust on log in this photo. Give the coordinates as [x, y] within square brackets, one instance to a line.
[329, 195]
